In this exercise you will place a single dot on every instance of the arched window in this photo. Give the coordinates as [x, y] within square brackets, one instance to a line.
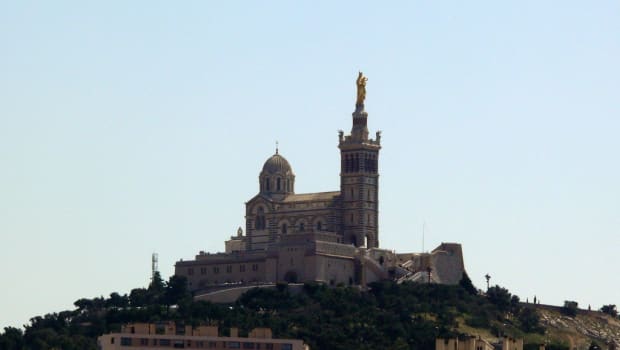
[319, 226]
[267, 187]
[260, 219]
[302, 227]
[284, 228]
[278, 184]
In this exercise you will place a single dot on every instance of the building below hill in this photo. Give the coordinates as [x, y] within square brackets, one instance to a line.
[144, 336]
[478, 343]
[328, 237]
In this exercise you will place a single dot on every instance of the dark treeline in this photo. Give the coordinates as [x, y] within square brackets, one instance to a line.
[387, 316]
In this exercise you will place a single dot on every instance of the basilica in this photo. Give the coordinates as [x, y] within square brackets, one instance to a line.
[326, 237]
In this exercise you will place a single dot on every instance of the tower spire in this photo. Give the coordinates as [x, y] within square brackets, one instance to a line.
[277, 146]
[359, 177]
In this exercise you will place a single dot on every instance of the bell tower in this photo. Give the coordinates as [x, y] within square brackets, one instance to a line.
[359, 177]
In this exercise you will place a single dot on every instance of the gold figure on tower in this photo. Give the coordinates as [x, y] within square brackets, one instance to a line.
[361, 88]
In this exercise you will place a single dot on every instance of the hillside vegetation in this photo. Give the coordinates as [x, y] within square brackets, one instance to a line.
[387, 316]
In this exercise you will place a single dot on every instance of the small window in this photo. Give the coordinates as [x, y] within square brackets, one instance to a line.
[216, 269]
[286, 347]
[229, 269]
[284, 228]
[241, 268]
[125, 341]
[234, 345]
[203, 270]
[319, 226]
[302, 227]
[254, 267]
[278, 184]
[164, 342]
[190, 271]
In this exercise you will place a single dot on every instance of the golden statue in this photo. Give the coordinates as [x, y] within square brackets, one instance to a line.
[361, 88]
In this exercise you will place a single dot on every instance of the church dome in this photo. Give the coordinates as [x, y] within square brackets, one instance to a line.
[277, 164]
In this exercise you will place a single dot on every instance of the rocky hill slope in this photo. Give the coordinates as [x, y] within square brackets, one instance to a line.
[578, 332]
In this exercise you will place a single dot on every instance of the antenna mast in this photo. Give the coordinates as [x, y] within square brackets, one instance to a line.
[154, 265]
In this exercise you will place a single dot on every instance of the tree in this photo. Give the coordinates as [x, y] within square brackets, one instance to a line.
[12, 339]
[499, 296]
[570, 308]
[138, 297]
[610, 310]
[176, 290]
[116, 300]
[156, 289]
[515, 304]
[467, 284]
[83, 304]
[400, 344]
[157, 283]
[530, 320]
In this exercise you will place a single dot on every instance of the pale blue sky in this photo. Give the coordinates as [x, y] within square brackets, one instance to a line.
[128, 128]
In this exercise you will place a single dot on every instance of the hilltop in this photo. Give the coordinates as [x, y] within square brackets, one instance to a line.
[387, 316]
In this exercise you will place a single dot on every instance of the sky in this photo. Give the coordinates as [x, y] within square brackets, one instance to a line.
[128, 128]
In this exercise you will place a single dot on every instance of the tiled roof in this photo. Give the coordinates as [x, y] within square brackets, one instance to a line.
[305, 197]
